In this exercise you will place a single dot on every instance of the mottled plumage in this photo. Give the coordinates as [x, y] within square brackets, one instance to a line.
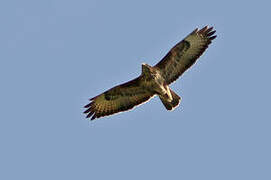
[153, 80]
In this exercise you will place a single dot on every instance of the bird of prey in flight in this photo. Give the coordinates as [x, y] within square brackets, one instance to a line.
[154, 80]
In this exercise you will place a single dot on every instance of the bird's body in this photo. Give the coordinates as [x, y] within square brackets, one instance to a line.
[153, 80]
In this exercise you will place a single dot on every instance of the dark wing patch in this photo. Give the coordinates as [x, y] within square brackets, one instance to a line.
[184, 54]
[118, 99]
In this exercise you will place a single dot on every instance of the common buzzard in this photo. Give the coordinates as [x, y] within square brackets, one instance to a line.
[153, 80]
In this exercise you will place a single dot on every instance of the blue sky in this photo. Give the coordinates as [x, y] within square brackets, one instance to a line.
[57, 54]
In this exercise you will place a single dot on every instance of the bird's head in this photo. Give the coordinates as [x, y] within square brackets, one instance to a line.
[148, 71]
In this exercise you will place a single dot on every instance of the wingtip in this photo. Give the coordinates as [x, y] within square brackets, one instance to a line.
[88, 105]
[86, 111]
[213, 37]
[90, 113]
[93, 117]
[211, 33]
[196, 30]
[209, 30]
[203, 29]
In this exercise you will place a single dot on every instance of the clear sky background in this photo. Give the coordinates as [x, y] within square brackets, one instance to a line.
[56, 54]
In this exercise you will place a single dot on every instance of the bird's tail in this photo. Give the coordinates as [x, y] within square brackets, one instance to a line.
[174, 103]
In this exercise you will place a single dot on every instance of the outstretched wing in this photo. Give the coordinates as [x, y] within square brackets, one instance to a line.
[118, 99]
[184, 54]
